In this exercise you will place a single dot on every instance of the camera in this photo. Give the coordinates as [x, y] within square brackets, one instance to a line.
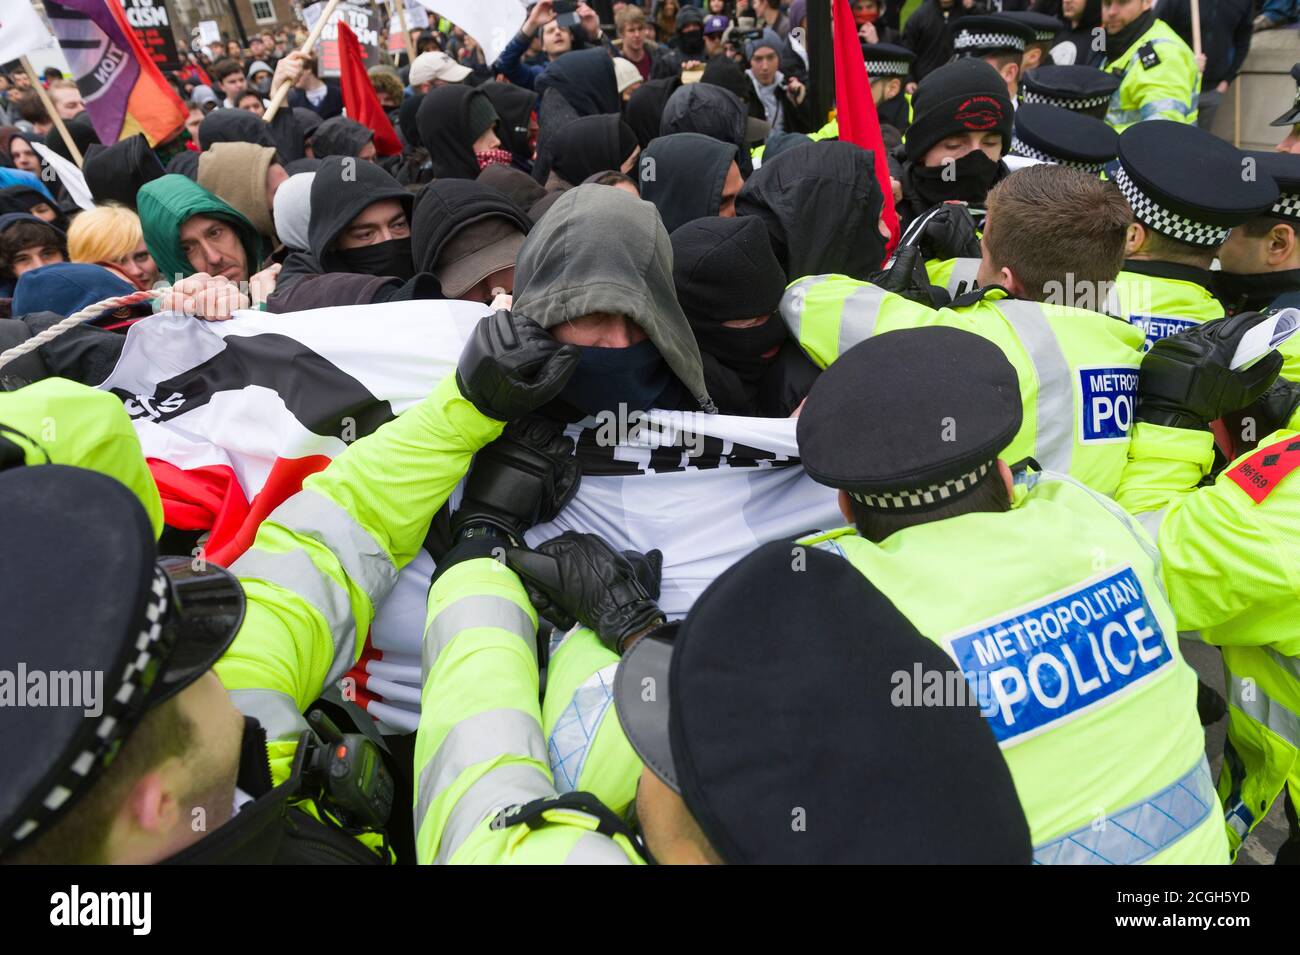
[566, 13]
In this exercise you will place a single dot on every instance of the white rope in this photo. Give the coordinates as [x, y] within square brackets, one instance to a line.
[72, 321]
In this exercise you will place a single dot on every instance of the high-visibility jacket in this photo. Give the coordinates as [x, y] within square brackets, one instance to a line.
[1158, 80]
[327, 556]
[56, 421]
[497, 773]
[1077, 369]
[1231, 563]
[1055, 612]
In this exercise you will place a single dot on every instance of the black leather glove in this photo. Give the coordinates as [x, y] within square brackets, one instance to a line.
[524, 477]
[1186, 382]
[578, 577]
[907, 277]
[512, 366]
[949, 234]
[1272, 410]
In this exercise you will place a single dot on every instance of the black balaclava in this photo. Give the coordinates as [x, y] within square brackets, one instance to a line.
[591, 144]
[338, 195]
[970, 179]
[724, 270]
[637, 377]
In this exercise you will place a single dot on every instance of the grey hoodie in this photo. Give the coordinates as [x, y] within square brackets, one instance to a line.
[570, 265]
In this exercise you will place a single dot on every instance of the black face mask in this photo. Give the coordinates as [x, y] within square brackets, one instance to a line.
[691, 43]
[970, 179]
[609, 377]
[746, 351]
[383, 258]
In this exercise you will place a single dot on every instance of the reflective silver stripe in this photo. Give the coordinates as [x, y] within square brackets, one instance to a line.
[477, 739]
[1141, 831]
[480, 610]
[1153, 109]
[294, 570]
[792, 304]
[276, 711]
[858, 317]
[311, 514]
[575, 729]
[1055, 414]
[511, 785]
[1263, 709]
[1290, 664]
[592, 848]
[1151, 521]
[963, 276]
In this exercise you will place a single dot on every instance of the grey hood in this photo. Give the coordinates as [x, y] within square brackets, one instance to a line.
[603, 250]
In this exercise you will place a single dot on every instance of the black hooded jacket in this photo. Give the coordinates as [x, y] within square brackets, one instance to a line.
[340, 136]
[591, 144]
[115, 173]
[519, 187]
[577, 84]
[710, 110]
[82, 132]
[821, 203]
[443, 123]
[926, 34]
[234, 126]
[645, 108]
[683, 175]
[515, 106]
[446, 206]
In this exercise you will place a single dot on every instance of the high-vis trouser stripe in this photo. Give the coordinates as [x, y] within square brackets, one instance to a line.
[1054, 409]
[311, 514]
[511, 785]
[592, 848]
[572, 735]
[1245, 695]
[858, 317]
[275, 711]
[481, 610]
[1141, 831]
[478, 739]
[294, 570]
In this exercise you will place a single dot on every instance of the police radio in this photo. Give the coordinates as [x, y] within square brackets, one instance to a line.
[350, 772]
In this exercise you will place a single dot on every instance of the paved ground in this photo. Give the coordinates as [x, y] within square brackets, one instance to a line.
[1262, 845]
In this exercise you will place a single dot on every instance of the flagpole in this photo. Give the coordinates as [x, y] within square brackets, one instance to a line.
[406, 31]
[283, 92]
[53, 113]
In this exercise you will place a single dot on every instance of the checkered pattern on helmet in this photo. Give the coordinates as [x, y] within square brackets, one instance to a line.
[924, 496]
[1171, 224]
[1029, 96]
[1288, 205]
[992, 41]
[887, 67]
[1021, 148]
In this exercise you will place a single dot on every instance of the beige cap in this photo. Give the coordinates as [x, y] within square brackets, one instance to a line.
[625, 74]
[476, 251]
[428, 67]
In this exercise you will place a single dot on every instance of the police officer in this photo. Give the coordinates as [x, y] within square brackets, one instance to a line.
[1229, 549]
[1260, 261]
[1045, 593]
[1045, 29]
[888, 65]
[996, 39]
[1158, 75]
[1083, 89]
[504, 780]
[1049, 134]
[1040, 285]
[320, 564]
[1187, 189]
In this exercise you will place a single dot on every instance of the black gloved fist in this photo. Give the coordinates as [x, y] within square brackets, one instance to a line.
[1272, 410]
[512, 366]
[949, 234]
[1186, 382]
[907, 277]
[524, 477]
[579, 578]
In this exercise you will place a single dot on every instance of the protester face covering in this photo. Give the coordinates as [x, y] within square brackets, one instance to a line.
[969, 179]
[452, 122]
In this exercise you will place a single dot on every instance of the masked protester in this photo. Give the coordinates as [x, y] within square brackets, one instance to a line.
[468, 235]
[517, 129]
[581, 83]
[590, 145]
[961, 128]
[688, 176]
[713, 111]
[644, 110]
[729, 284]
[457, 125]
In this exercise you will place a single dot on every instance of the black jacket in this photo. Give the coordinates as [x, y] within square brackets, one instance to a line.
[515, 106]
[443, 123]
[926, 35]
[713, 111]
[645, 108]
[115, 173]
[340, 136]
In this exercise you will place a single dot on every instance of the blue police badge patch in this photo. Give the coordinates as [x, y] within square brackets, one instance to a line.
[1156, 327]
[1107, 399]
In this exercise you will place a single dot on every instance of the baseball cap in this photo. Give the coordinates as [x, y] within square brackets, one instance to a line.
[428, 67]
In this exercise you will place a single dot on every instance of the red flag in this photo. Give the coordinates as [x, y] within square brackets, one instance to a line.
[855, 110]
[359, 96]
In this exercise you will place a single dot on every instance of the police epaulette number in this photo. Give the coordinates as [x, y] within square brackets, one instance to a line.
[1148, 56]
[1260, 473]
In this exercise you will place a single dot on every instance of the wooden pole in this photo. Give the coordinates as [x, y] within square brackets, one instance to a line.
[1196, 31]
[406, 32]
[282, 93]
[55, 118]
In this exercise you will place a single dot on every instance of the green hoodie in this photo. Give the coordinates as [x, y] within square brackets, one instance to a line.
[164, 206]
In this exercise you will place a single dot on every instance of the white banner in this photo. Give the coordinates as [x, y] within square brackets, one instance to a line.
[490, 22]
[21, 31]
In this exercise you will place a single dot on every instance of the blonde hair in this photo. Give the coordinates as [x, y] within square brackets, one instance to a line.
[104, 234]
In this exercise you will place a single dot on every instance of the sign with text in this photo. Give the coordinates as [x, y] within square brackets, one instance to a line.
[363, 21]
[151, 21]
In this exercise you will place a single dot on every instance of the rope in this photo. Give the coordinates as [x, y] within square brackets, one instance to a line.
[72, 321]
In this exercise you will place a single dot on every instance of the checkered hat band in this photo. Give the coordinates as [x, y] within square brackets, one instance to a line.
[991, 41]
[926, 496]
[887, 67]
[1171, 224]
[1029, 96]
[136, 680]
[1288, 205]
[1020, 148]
